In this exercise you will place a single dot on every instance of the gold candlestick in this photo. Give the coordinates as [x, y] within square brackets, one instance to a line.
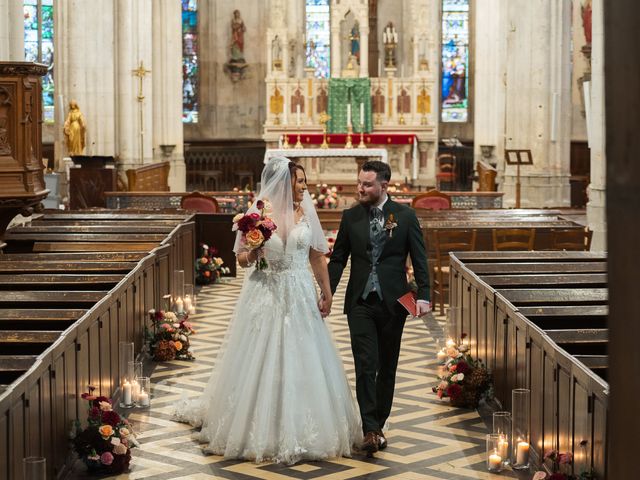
[298, 143]
[323, 119]
[361, 144]
[349, 132]
[286, 145]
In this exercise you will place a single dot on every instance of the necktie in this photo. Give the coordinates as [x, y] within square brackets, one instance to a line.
[376, 216]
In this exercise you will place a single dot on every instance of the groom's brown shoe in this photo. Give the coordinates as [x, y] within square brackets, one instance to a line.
[382, 441]
[370, 443]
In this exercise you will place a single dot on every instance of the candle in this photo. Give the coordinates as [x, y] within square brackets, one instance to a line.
[143, 399]
[135, 390]
[179, 305]
[522, 453]
[348, 114]
[442, 356]
[450, 343]
[187, 303]
[503, 447]
[298, 114]
[495, 461]
[362, 114]
[126, 392]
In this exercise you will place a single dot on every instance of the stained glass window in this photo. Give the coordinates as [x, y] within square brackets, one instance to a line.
[455, 60]
[318, 35]
[38, 46]
[190, 85]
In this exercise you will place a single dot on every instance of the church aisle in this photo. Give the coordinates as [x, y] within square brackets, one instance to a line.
[428, 439]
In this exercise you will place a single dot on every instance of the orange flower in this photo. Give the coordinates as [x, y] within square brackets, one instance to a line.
[178, 346]
[255, 238]
[106, 431]
[204, 260]
[207, 273]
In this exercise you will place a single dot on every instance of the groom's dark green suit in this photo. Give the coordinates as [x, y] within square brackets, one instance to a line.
[376, 324]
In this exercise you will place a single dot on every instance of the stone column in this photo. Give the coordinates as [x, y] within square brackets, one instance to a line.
[489, 70]
[335, 50]
[538, 100]
[596, 213]
[364, 49]
[168, 142]
[133, 46]
[85, 70]
[11, 30]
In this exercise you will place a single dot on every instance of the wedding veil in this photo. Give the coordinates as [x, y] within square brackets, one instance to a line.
[276, 192]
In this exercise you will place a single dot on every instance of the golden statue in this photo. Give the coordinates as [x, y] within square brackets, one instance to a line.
[74, 130]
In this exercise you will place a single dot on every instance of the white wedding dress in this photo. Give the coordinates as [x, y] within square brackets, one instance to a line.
[278, 391]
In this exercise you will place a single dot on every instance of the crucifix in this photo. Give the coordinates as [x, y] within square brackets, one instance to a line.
[141, 72]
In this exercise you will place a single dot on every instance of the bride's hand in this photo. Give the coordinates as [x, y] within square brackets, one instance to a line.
[324, 304]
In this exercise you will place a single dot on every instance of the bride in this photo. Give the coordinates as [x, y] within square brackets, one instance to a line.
[278, 391]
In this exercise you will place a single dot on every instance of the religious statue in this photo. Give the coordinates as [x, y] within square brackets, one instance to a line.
[236, 66]
[354, 38]
[237, 37]
[74, 130]
[390, 41]
[276, 53]
[276, 105]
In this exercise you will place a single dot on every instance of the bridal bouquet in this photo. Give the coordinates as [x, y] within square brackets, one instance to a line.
[105, 444]
[462, 378]
[256, 229]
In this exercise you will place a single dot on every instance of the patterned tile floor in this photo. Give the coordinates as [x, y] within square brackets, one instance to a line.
[428, 439]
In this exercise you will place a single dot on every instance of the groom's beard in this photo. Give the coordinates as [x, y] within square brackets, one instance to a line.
[369, 200]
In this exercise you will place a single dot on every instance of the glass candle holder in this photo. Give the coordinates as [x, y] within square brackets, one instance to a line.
[495, 462]
[520, 428]
[177, 291]
[453, 327]
[34, 468]
[189, 299]
[125, 362]
[144, 397]
[136, 372]
[502, 426]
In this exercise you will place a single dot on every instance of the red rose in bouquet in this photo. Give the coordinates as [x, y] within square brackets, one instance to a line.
[256, 229]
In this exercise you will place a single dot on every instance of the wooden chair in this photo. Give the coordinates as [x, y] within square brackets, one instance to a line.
[463, 240]
[432, 200]
[199, 203]
[513, 238]
[571, 239]
[446, 174]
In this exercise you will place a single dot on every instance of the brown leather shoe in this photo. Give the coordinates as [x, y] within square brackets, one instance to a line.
[382, 441]
[370, 443]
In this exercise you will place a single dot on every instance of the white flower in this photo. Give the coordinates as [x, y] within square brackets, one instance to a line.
[115, 441]
[463, 347]
[459, 377]
[152, 311]
[183, 338]
[105, 406]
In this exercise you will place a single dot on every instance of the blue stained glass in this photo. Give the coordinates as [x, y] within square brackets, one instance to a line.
[38, 47]
[190, 84]
[318, 48]
[455, 60]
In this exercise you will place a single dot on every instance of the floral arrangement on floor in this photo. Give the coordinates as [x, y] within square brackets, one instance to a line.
[560, 461]
[209, 268]
[256, 229]
[170, 337]
[463, 379]
[105, 444]
[326, 196]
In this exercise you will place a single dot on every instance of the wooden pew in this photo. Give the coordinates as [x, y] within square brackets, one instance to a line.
[540, 323]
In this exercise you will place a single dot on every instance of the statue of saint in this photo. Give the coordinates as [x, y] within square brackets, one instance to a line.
[354, 37]
[276, 53]
[74, 130]
[237, 37]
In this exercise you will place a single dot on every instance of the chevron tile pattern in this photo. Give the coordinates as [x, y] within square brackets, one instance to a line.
[428, 439]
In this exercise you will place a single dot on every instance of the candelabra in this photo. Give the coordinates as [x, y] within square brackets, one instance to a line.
[298, 143]
[286, 145]
[361, 144]
[349, 133]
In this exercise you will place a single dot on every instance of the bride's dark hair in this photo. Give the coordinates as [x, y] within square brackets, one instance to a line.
[293, 166]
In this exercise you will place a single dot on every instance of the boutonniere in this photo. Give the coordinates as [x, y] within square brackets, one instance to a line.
[390, 224]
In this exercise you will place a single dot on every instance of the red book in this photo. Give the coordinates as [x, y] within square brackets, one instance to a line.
[409, 302]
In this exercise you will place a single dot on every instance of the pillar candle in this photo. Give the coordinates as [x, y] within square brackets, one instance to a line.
[135, 390]
[503, 447]
[143, 399]
[442, 356]
[298, 115]
[348, 114]
[126, 392]
[522, 453]
[495, 461]
[187, 304]
[179, 305]
[362, 114]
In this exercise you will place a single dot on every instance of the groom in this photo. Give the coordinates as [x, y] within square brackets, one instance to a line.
[378, 234]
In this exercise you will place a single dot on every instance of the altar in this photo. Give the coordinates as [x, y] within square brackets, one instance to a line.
[330, 165]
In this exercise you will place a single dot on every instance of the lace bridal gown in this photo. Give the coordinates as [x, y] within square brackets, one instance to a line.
[278, 391]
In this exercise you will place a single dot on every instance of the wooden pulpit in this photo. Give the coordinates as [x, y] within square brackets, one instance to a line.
[22, 185]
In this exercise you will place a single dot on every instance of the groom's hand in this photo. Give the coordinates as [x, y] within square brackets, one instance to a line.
[324, 305]
[422, 307]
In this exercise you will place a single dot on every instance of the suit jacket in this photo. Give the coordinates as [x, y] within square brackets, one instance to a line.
[353, 240]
